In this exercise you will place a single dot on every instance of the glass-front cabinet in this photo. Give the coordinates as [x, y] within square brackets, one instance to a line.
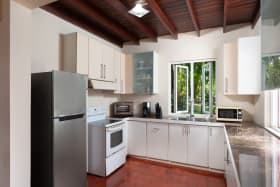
[145, 75]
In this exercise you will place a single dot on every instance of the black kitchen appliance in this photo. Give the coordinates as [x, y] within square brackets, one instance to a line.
[158, 111]
[146, 106]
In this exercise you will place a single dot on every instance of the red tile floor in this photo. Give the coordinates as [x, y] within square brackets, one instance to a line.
[141, 173]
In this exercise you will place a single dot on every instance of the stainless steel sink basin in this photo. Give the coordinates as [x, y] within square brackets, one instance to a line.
[190, 119]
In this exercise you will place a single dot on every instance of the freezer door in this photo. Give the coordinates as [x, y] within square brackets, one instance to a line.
[69, 93]
[69, 152]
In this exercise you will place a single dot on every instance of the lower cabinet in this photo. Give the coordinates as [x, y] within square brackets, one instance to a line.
[216, 148]
[231, 178]
[177, 143]
[197, 148]
[137, 138]
[157, 140]
[189, 144]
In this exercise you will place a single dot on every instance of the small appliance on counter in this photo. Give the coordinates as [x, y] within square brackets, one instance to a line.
[158, 111]
[122, 109]
[229, 114]
[146, 107]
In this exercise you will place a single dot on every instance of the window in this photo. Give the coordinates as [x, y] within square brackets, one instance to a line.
[271, 83]
[271, 72]
[272, 109]
[193, 87]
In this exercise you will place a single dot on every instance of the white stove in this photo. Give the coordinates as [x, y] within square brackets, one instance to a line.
[106, 147]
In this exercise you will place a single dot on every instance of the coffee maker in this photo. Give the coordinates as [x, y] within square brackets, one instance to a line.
[146, 107]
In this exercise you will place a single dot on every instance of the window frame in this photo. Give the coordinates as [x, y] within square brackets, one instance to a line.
[191, 62]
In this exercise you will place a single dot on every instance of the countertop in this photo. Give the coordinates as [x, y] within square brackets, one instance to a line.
[170, 120]
[256, 153]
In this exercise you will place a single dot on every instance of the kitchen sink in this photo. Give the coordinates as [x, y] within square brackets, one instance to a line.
[190, 119]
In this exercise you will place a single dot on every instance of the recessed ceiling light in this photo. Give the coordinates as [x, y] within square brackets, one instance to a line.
[138, 10]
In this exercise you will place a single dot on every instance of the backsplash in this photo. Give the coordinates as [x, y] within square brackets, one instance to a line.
[102, 98]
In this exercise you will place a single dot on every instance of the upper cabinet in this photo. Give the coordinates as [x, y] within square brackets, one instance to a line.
[101, 61]
[75, 53]
[145, 73]
[242, 67]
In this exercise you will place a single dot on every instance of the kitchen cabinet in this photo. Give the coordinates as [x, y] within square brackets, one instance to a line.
[145, 71]
[197, 145]
[157, 140]
[123, 73]
[95, 60]
[101, 61]
[108, 62]
[177, 143]
[75, 53]
[137, 137]
[230, 68]
[216, 147]
[242, 67]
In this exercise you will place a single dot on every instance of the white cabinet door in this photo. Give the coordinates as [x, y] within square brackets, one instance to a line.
[108, 63]
[157, 140]
[137, 138]
[95, 60]
[75, 53]
[198, 145]
[249, 65]
[177, 143]
[118, 71]
[230, 68]
[82, 54]
[216, 147]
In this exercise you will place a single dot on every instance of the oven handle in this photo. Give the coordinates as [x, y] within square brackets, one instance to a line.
[115, 128]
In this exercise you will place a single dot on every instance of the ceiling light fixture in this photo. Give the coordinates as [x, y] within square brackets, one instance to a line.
[138, 10]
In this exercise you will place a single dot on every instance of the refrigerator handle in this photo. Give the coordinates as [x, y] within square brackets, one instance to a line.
[70, 117]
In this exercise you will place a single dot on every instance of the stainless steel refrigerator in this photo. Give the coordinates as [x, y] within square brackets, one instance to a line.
[58, 129]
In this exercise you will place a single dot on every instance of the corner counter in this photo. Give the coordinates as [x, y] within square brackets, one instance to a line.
[256, 153]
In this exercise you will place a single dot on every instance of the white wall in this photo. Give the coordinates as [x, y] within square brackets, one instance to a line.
[46, 32]
[190, 47]
[20, 95]
[5, 93]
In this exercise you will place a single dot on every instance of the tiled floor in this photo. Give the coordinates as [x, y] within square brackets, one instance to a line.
[139, 173]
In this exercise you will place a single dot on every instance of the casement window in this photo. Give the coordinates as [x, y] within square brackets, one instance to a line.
[271, 85]
[193, 87]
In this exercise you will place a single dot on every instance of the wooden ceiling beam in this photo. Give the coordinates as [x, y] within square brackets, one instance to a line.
[121, 8]
[101, 19]
[225, 16]
[74, 20]
[256, 15]
[163, 18]
[193, 16]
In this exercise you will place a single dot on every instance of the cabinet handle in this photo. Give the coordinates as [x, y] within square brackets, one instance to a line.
[155, 130]
[210, 131]
[226, 84]
[227, 158]
[104, 71]
[189, 130]
[101, 71]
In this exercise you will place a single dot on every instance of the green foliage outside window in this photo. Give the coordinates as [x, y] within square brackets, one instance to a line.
[183, 81]
[271, 72]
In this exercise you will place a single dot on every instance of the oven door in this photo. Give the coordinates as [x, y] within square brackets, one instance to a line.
[114, 139]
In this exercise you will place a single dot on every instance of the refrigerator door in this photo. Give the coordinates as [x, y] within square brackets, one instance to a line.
[69, 94]
[69, 152]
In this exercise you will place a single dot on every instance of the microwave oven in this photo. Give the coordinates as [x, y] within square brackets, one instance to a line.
[122, 109]
[230, 114]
